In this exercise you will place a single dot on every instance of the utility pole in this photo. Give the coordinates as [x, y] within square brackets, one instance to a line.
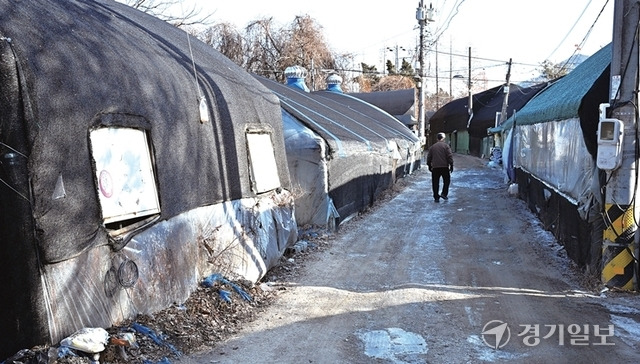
[505, 100]
[450, 70]
[396, 49]
[620, 236]
[437, 80]
[423, 15]
[470, 103]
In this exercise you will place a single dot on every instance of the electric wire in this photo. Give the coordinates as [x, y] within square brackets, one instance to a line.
[584, 40]
[456, 8]
[193, 61]
[454, 11]
[571, 29]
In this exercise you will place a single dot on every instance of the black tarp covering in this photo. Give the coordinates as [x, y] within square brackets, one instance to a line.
[399, 103]
[87, 64]
[66, 68]
[381, 122]
[454, 115]
[358, 135]
[589, 110]
[485, 116]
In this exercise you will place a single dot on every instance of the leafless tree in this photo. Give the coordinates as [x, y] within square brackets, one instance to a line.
[162, 9]
[268, 49]
[345, 68]
[551, 71]
[263, 48]
[306, 47]
[227, 40]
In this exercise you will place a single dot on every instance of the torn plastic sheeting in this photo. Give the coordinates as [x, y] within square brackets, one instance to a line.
[275, 226]
[158, 339]
[394, 149]
[307, 161]
[172, 256]
[556, 154]
[217, 277]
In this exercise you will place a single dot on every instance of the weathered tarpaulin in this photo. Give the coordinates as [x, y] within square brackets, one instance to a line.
[551, 155]
[342, 152]
[124, 142]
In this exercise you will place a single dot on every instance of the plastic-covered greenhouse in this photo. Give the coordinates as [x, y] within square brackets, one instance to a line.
[134, 162]
[550, 149]
[342, 152]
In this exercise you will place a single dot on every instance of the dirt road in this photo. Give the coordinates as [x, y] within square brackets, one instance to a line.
[472, 279]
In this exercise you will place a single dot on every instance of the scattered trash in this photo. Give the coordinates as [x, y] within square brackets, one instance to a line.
[155, 337]
[65, 351]
[298, 247]
[127, 339]
[27, 356]
[90, 340]
[161, 361]
[181, 307]
[225, 295]
[496, 155]
[266, 287]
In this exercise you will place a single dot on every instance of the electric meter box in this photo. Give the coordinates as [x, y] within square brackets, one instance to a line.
[610, 133]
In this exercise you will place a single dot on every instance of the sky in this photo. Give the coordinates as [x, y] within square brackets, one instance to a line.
[526, 31]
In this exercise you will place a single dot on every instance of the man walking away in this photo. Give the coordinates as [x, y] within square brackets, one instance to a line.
[440, 163]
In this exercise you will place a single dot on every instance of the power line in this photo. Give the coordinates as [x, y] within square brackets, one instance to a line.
[584, 40]
[571, 30]
[455, 9]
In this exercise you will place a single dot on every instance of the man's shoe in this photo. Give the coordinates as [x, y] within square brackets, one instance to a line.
[444, 197]
[436, 200]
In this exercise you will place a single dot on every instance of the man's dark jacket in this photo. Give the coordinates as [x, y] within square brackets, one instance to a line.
[440, 155]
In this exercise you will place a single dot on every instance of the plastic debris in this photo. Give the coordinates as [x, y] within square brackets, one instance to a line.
[65, 351]
[155, 337]
[225, 295]
[161, 361]
[127, 339]
[27, 356]
[298, 247]
[90, 340]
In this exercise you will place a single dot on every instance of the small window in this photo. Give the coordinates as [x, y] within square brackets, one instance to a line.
[262, 160]
[125, 178]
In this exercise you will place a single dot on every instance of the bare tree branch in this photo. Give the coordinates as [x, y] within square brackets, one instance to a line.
[162, 9]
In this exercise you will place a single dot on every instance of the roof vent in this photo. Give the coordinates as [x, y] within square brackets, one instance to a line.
[295, 77]
[333, 83]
